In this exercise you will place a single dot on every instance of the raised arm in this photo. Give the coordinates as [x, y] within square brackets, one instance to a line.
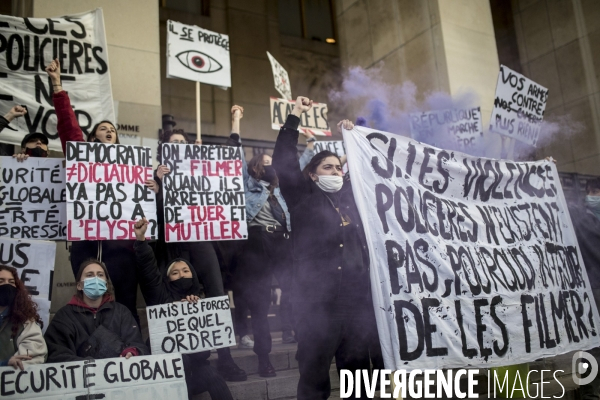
[309, 152]
[237, 113]
[150, 278]
[285, 160]
[68, 127]
[15, 112]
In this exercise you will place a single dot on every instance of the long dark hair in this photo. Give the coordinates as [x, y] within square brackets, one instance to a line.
[92, 135]
[165, 137]
[256, 169]
[314, 163]
[109, 286]
[23, 309]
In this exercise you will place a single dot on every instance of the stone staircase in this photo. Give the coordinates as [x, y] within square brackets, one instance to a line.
[283, 386]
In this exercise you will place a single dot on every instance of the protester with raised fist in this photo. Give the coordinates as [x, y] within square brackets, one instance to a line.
[21, 339]
[92, 325]
[33, 144]
[178, 283]
[117, 255]
[331, 294]
[202, 257]
[68, 127]
[15, 112]
[267, 249]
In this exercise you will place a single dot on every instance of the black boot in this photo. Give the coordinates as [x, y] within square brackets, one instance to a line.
[228, 369]
[265, 368]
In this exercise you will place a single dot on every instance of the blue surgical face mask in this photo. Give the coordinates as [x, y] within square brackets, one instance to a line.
[593, 202]
[94, 287]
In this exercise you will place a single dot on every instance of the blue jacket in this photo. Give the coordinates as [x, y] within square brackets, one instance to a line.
[256, 193]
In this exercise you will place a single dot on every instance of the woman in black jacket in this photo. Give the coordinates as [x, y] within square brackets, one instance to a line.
[331, 289]
[179, 283]
[92, 324]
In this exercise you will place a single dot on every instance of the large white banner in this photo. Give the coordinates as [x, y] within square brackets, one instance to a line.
[190, 327]
[34, 261]
[33, 198]
[107, 192]
[136, 378]
[474, 260]
[198, 54]
[519, 106]
[204, 193]
[28, 46]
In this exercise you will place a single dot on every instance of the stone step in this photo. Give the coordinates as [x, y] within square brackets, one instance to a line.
[283, 356]
[283, 386]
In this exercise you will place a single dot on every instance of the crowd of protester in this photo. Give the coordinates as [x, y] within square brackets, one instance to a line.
[310, 267]
[304, 230]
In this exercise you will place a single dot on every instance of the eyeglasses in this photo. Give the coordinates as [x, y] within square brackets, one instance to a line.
[179, 142]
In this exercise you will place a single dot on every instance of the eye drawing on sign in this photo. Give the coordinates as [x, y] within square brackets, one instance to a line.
[199, 62]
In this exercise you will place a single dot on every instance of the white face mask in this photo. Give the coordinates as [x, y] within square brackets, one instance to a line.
[330, 183]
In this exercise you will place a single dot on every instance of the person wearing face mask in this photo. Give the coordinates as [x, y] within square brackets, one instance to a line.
[266, 251]
[178, 283]
[118, 255]
[201, 255]
[21, 339]
[33, 145]
[331, 296]
[92, 324]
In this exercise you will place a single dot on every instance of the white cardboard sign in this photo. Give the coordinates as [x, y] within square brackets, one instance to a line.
[281, 78]
[190, 327]
[197, 54]
[313, 121]
[519, 107]
[461, 127]
[203, 194]
[106, 191]
[33, 198]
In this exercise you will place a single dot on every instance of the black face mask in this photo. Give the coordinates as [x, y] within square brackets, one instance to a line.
[182, 285]
[269, 174]
[36, 152]
[7, 295]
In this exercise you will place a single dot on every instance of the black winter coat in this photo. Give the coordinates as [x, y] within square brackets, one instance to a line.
[587, 230]
[73, 325]
[317, 233]
[156, 290]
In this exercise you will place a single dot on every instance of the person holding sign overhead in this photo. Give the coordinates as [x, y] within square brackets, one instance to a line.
[331, 294]
[21, 339]
[266, 252]
[202, 257]
[92, 324]
[118, 255]
[179, 283]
